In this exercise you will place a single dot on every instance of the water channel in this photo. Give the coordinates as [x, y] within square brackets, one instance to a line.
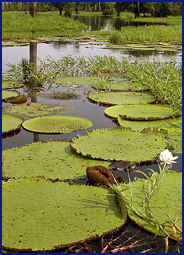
[83, 107]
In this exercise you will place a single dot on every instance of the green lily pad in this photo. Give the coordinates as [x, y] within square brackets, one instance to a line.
[37, 109]
[174, 133]
[56, 124]
[8, 84]
[6, 94]
[117, 85]
[165, 203]
[41, 215]
[175, 138]
[142, 112]
[121, 145]
[10, 123]
[53, 160]
[117, 98]
[140, 125]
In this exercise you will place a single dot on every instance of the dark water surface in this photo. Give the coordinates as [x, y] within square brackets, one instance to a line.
[103, 23]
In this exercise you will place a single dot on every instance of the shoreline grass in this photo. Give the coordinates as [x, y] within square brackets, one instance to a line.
[19, 25]
[22, 25]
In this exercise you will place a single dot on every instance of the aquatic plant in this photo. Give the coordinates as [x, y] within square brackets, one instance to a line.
[54, 160]
[145, 199]
[6, 94]
[59, 214]
[119, 98]
[121, 144]
[37, 109]
[144, 112]
[10, 123]
[56, 124]
[17, 100]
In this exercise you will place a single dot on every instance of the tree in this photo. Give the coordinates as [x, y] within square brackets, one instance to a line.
[33, 9]
[59, 5]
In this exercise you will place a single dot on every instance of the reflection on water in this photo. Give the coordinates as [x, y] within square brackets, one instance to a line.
[56, 50]
[103, 23]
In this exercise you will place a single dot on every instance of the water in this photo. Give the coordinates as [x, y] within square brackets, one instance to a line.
[14, 55]
[102, 23]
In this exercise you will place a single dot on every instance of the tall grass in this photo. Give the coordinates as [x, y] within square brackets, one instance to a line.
[22, 25]
[147, 34]
[163, 79]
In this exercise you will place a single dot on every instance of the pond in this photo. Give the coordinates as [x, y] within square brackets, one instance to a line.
[103, 23]
[82, 106]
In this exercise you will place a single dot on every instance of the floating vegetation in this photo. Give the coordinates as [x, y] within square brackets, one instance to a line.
[6, 94]
[53, 160]
[56, 124]
[121, 145]
[174, 132]
[163, 208]
[81, 81]
[17, 100]
[116, 98]
[10, 123]
[59, 214]
[8, 84]
[37, 109]
[142, 112]
[140, 125]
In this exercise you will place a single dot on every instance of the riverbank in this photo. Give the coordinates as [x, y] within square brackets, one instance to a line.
[19, 25]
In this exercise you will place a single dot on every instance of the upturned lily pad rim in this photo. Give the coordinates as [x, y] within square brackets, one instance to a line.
[126, 117]
[17, 100]
[52, 118]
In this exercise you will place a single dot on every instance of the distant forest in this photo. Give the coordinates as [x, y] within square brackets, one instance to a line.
[154, 9]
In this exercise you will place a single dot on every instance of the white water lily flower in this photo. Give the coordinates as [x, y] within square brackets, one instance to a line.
[167, 157]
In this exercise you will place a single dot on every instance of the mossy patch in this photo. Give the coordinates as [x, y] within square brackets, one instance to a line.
[8, 84]
[37, 109]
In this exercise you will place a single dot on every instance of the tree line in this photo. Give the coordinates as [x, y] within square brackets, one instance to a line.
[155, 9]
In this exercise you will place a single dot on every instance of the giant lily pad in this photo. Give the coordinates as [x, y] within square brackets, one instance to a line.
[56, 124]
[9, 94]
[8, 84]
[37, 109]
[140, 125]
[142, 112]
[41, 215]
[174, 133]
[54, 160]
[10, 123]
[121, 145]
[115, 85]
[116, 98]
[165, 204]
